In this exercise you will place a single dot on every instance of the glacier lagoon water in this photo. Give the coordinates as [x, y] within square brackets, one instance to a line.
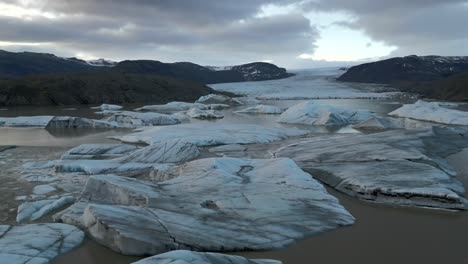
[383, 234]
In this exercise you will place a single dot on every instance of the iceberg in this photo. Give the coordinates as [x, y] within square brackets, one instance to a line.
[432, 111]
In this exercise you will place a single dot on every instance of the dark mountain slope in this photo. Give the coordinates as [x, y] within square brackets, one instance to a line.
[453, 88]
[406, 69]
[257, 71]
[96, 88]
[15, 65]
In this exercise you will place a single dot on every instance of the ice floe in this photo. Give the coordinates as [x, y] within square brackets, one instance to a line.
[137, 119]
[208, 135]
[37, 243]
[217, 99]
[79, 122]
[30, 211]
[310, 113]
[217, 204]
[191, 257]
[25, 121]
[432, 111]
[38, 177]
[137, 162]
[404, 167]
[54, 122]
[43, 189]
[98, 151]
[204, 114]
[107, 107]
[262, 109]
[384, 123]
[172, 107]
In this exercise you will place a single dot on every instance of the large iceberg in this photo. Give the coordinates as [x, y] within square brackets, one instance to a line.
[107, 107]
[208, 135]
[25, 121]
[216, 204]
[30, 211]
[204, 114]
[262, 109]
[310, 113]
[217, 99]
[37, 243]
[432, 111]
[98, 151]
[55, 122]
[172, 107]
[136, 119]
[404, 167]
[191, 257]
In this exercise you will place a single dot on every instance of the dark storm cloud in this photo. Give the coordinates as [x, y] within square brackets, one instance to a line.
[225, 32]
[192, 27]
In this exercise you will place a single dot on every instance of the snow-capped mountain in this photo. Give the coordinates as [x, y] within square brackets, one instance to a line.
[102, 63]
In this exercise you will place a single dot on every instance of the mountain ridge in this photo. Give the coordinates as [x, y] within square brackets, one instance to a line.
[22, 64]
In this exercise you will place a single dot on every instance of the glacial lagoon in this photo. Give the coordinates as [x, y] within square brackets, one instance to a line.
[387, 232]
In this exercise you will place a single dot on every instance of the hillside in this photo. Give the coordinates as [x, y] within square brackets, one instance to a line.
[15, 65]
[21, 64]
[96, 88]
[453, 88]
[257, 71]
[406, 69]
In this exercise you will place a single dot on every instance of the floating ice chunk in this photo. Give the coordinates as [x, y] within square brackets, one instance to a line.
[107, 107]
[98, 151]
[432, 111]
[31, 211]
[79, 122]
[403, 167]
[25, 121]
[43, 189]
[218, 204]
[246, 100]
[262, 109]
[172, 151]
[380, 123]
[310, 113]
[204, 114]
[35, 177]
[172, 107]
[37, 165]
[209, 135]
[37, 243]
[217, 99]
[191, 257]
[136, 119]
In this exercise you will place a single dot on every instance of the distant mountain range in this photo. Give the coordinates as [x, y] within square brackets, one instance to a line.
[17, 65]
[28, 78]
[437, 77]
[97, 88]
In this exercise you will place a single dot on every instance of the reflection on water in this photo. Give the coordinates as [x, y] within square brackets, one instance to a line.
[55, 137]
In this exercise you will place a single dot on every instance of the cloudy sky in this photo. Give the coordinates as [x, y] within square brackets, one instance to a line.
[290, 33]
